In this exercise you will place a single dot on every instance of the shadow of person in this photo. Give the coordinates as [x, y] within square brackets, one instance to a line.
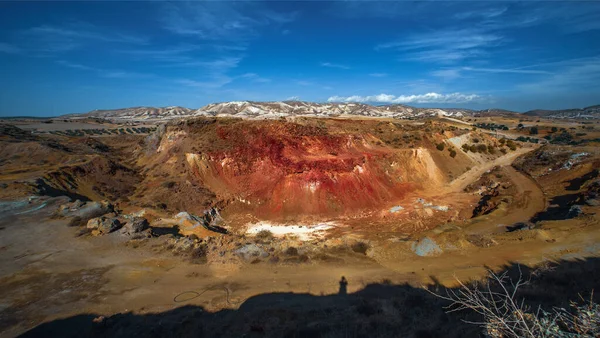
[343, 286]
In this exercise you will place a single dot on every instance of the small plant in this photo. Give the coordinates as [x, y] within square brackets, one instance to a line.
[264, 234]
[291, 251]
[440, 146]
[360, 247]
[453, 153]
[533, 131]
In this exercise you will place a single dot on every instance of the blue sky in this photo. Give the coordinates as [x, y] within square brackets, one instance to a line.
[69, 57]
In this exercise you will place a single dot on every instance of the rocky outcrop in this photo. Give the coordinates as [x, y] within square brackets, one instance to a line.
[84, 210]
[103, 225]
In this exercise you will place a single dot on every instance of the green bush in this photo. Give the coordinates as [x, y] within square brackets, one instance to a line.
[440, 146]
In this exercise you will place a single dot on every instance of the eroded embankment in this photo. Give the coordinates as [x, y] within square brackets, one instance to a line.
[285, 170]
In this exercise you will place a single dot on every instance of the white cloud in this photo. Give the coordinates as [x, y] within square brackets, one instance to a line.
[293, 98]
[255, 78]
[505, 70]
[422, 98]
[8, 48]
[333, 65]
[378, 74]
[447, 74]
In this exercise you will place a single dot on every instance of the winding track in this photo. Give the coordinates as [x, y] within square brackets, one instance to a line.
[529, 199]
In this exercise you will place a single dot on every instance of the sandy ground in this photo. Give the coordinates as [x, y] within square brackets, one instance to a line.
[47, 273]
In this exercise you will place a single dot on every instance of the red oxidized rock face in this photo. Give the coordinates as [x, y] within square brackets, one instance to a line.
[287, 172]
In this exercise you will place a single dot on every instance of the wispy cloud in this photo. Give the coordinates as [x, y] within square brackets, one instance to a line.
[304, 83]
[334, 65]
[505, 70]
[486, 13]
[221, 20]
[56, 39]
[254, 78]
[447, 74]
[422, 98]
[9, 49]
[74, 65]
[178, 53]
[450, 74]
[215, 73]
[84, 31]
[444, 45]
[583, 73]
[215, 82]
[293, 98]
[106, 73]
[378, 74]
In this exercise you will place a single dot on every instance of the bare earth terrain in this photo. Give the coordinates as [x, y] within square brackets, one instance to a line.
[303, 226]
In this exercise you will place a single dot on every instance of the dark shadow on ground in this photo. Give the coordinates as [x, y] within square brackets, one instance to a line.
[160, 231]
[45, 189]
[378, 310]
[559, 209]
[576, 183]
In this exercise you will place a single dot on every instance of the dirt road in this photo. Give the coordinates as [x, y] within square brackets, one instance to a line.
[528, 201]
[461, 182]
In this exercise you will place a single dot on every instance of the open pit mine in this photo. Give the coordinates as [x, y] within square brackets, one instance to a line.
[287, 219]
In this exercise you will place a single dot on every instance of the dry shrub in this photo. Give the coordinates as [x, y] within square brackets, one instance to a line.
[360, 247]
[264, 234]
[505, 316]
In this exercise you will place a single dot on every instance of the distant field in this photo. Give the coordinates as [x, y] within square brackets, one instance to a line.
[80, 128]
[61, 126]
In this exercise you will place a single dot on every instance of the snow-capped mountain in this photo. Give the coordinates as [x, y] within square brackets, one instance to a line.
[299, 108]
[273, 110]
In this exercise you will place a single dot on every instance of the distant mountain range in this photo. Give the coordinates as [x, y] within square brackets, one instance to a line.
[272, 110]
[592, 112]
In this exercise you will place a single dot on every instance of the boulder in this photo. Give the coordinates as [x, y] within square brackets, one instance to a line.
[201, 226]
[520, 226]
[85, 210]
[250, 252]
[137, 224]
[593, 202]
[426, 247]
[104, 225]
[574, 211]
